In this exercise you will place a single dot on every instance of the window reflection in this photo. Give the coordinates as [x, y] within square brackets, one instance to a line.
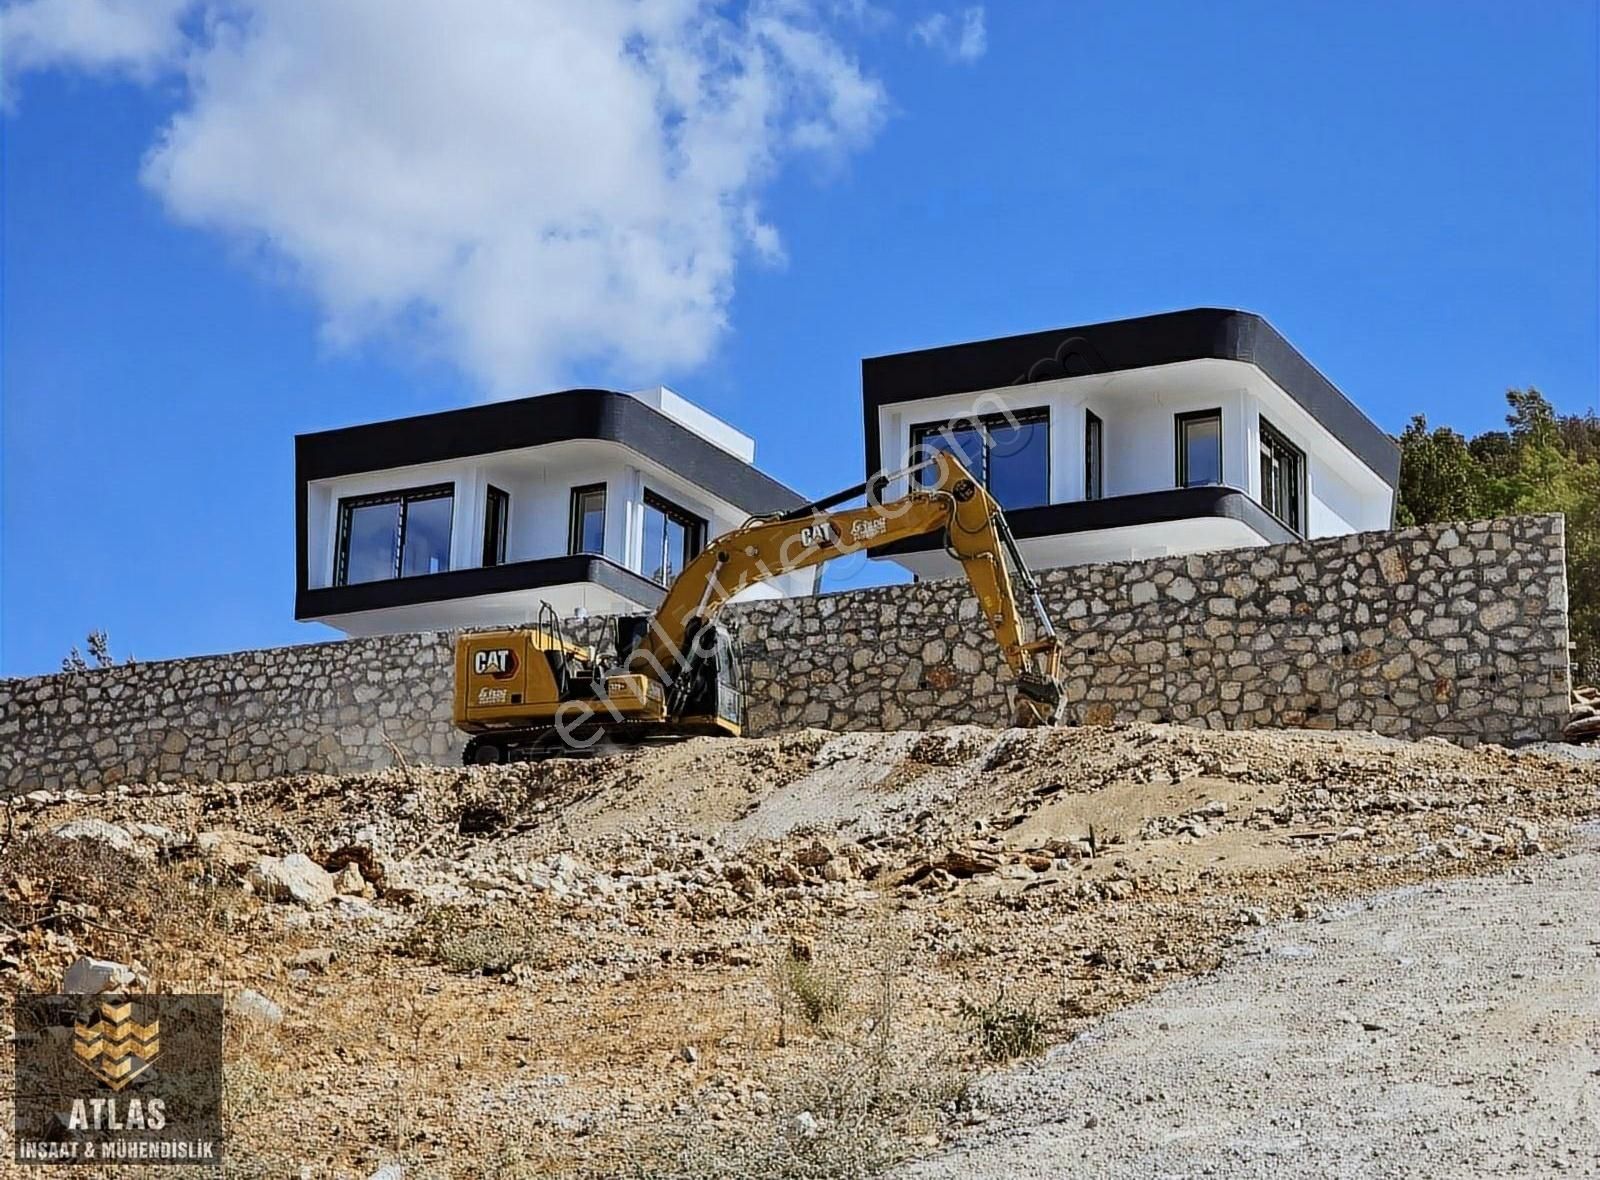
[1200, 448]
[394, 534]
[673, 536]
[587, 532]
[1008, 453]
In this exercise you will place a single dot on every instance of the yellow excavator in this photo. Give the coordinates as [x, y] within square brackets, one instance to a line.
[530, 692]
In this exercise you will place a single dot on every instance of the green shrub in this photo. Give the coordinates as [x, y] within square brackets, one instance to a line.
[1005, 1031]
[813, 991]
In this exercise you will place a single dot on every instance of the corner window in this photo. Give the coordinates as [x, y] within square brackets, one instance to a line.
[394, 535]
[1008, 453]
[496, 516]
[1199, 448]
[587, 531]
[1283, 478]
[1093, 456]
[673, 536]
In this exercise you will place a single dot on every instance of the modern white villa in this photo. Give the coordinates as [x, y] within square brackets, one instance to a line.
[1176, 433]
[591, 500]
[1168, 434]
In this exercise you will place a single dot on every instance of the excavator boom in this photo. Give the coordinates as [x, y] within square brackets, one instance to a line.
[949, 500]
[533, 691]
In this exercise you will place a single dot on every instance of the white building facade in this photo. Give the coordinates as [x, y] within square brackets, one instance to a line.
[1177, 433]
[589, 500]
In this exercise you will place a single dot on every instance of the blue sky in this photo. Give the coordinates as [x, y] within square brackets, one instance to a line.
[1407, 191]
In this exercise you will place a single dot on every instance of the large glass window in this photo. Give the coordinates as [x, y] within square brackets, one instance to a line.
[1199, 448]
[672, 538]
[1008, 453]
[1283, 478]
[1093, 456]
[587, 531]
[496, 518]
[394, 535]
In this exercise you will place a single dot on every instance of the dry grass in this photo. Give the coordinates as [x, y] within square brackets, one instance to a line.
[802, 986]
[1003, 1029]
[847, 1110]
[471, 941]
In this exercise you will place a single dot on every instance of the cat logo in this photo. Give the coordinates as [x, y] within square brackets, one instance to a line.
[499, 662]
[819, 534]
[116, 1049]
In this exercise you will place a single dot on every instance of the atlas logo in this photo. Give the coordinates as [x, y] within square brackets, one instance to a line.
[499, 662]
[116, 1048]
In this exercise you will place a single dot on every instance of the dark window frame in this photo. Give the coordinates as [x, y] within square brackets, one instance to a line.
[575, 517]
[695, 531]
[1029, 416]
[401, 496]
[1270, 435]
[1094, 455]
[1181, 452]
[496, 525]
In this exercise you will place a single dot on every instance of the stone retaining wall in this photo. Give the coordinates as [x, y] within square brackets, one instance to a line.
[1455, 630]
[353, 704]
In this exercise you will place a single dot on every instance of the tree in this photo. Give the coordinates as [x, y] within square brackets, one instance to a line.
[99, 644]
[1439, 477]
[1542, 462]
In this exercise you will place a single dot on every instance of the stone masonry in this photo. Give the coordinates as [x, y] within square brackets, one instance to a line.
[253, 714]
[1458, 630]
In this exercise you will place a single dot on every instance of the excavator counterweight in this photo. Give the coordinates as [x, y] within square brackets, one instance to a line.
[531, 691]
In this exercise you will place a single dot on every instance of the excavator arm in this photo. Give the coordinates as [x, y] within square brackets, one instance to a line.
[950, 500]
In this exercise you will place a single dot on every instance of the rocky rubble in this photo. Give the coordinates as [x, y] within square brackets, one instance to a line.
[1584, 723]
[614, 923]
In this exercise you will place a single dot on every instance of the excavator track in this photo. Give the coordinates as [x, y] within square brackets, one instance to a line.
[544, 743]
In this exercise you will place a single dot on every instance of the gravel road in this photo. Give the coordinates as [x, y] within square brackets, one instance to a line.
[1446, 1030]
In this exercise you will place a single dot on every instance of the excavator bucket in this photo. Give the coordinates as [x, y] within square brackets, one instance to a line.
[1038, 701]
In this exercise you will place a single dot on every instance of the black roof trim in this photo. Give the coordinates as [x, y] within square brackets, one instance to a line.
[323, 602]
[1200, 333]
[600, 414]
[1084, 516]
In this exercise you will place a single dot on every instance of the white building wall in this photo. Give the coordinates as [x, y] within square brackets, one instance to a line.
[1138, 411]
[1140, 435]
[540, 483]
[707, 426]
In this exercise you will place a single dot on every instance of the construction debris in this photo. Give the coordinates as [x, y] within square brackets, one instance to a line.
[1585, 723]
[577, 954]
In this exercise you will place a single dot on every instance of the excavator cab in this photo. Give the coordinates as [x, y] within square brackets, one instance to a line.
[710, 688]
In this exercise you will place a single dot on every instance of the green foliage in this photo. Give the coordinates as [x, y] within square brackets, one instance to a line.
[814, 991]
[1003, 1030]
[1440, 479]
[1541, 462]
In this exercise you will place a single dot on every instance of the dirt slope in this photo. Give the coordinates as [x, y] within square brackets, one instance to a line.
[1442, 1030]
[538, 969]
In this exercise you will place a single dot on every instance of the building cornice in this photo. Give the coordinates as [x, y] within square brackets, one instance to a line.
[1201, 333]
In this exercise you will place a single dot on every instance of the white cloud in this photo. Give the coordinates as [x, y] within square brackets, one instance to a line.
[962, 38]
[533, 189]
[136, 36]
